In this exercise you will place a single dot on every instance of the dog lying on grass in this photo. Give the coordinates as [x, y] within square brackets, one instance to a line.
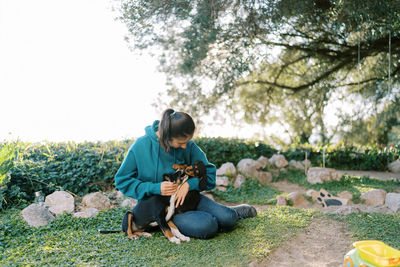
[158, 210]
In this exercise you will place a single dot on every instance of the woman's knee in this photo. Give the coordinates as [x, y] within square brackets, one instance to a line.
[196, 224]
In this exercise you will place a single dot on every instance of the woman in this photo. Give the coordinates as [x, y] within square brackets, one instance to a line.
[165, 143]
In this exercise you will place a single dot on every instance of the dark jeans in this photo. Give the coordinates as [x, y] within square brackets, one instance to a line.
[205, 222]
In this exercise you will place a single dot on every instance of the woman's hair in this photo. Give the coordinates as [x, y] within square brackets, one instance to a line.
[174, 125]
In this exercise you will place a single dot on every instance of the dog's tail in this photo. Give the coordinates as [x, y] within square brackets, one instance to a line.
[109, 231]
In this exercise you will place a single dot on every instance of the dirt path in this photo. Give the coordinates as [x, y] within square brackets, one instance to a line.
[323, 243]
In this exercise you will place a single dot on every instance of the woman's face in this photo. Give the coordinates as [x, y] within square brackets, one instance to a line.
[180, 142]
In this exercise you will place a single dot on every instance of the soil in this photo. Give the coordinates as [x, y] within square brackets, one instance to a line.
[324, 242]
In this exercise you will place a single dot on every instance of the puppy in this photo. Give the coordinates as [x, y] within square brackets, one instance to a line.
[153, 211]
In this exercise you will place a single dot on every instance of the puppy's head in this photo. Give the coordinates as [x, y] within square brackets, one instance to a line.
[174, 177]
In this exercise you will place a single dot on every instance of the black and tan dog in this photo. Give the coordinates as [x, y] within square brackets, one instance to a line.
[158, 210]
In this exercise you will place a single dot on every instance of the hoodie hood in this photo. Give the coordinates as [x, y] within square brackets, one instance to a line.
[151, 130]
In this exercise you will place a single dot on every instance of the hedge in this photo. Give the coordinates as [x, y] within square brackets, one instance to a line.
[81, 168]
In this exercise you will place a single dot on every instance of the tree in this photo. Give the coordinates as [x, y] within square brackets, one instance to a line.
[213, 49]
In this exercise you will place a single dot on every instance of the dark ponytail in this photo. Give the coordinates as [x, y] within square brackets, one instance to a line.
[174, 125]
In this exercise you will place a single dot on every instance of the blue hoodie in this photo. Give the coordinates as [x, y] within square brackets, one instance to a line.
[141, 172]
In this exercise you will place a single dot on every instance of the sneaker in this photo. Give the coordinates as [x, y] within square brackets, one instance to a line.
[245, 211]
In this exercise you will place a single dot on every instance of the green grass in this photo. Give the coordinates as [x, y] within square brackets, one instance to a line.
[251, 191]
[355, 185]
[75, 241]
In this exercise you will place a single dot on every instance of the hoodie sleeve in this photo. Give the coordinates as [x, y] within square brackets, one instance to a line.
[197, 154]
[129, 184]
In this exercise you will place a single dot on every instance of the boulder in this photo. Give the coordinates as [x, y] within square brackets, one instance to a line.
[281, 201]
[374, 197]
[278, 161]
[296, 165]
[248, 167]
[308, 162]
[116, 194]
[296, 198]
[221, 188]
[263, 161]
[312, 193]
[317, 175]
[346, 195]
[392, 201]
[129, 202]
[226, 169]
[221, 181]
[395, 166]
[264, 177]
[60, 201]
[37, 215]
[240, 179]
[96, 200]
[88, 213]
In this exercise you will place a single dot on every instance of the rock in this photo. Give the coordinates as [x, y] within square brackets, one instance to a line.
[296, 165]
[248, 167]
[346, 195]
[264, 177]
[240, 179]
[222, 181]
[308, 163]
[296, 198]
[392, 201]
[395, 166]
[263, 161]
[374, 197]
[312, 193]
[129, 202]
[96, 200]
[342, 210]
[60, 201]
[221, 188]
[37, 215]
[116, 194]
[88, 213]
[278, 160]
[281, 201]
[226, 169]
[319, 175]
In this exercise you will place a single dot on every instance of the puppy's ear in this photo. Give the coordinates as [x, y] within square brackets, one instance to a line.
[166, 177]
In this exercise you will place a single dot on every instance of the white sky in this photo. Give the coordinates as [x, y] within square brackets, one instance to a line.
[66, 73]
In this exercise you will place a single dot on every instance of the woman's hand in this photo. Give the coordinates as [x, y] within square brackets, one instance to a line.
[181, 195]
[168, 188]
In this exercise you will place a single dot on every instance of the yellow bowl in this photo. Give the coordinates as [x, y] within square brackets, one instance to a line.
[378, 253]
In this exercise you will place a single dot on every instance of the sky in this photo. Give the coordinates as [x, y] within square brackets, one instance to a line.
[67, 74]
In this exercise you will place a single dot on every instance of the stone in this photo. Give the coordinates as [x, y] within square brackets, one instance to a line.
[278, 161]
[37, 215]
[346, 195]
[60, 201]
[312, 193]
[226, 169]
[296, 198]
[96, 200]
[263, 161]
[392, 201]
[88, 213]
[248, 167]
[221, 188]
[319, 175]
[264, 177]
[221, 181]
[308, 163]
[129, 202]
[116, 194]
[296, 165]
[395, 166]
[281, 201]
[240, 179]
[374, 197]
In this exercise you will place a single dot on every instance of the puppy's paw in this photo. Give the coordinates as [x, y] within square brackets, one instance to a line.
[147, 235]
[175, 240]
[133, 237]
[184, 238]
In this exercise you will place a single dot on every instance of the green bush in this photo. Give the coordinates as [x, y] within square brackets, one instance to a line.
[76, 167]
